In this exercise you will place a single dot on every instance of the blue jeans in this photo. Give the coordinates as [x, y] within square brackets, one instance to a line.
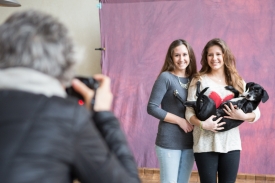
[175, 165]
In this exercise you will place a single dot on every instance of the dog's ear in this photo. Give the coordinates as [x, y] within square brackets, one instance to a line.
[248, 85]
[198, 88]
[265, 96]
[203, 91]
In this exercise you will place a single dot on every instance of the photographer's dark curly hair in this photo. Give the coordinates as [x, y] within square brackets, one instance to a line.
[36, 40]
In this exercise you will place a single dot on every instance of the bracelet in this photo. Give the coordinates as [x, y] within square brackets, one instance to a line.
[201, 126]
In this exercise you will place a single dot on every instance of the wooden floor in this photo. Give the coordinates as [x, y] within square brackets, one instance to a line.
[151, 175]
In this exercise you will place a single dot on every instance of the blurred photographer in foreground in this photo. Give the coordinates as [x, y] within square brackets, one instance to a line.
[46, 136]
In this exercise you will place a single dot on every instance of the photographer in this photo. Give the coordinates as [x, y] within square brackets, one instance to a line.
[45, 136]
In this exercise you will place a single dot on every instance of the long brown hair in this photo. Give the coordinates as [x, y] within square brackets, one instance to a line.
[232, 76]
[169, 64]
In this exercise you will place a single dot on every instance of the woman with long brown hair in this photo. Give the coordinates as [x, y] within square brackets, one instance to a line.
[174, 140]
[217, 152]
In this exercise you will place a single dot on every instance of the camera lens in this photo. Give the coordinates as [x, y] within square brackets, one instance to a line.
[90, 82]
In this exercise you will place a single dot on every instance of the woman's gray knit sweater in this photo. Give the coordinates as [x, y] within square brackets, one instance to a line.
[162, 100]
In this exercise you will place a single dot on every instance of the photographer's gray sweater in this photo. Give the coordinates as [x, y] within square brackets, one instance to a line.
[162, 100]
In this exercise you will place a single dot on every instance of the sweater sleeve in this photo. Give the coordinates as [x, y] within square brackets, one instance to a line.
[257, 115]
[101, 151]
[158, 91]
[109, 127]
[191, 97]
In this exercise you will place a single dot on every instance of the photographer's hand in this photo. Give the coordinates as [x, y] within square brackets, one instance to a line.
[104, 96]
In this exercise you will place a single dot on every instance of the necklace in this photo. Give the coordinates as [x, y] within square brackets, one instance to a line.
[184, 85]
[217, 79]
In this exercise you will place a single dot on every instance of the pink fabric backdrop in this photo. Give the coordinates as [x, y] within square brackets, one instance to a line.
[136, 35]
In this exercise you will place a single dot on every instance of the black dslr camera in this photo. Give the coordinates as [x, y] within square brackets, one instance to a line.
[90, 82]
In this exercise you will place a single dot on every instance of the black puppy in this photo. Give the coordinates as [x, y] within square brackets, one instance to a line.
[247, 102]
[204, 106]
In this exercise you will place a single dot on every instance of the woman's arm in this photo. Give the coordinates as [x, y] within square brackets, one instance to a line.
[183, 124]
[159, 89]
[102, 153]
[191, 117]
[153, 108]
[190, 112]
[238, 114]
[208, 124]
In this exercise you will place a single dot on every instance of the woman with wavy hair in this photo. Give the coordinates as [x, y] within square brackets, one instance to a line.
[217, 152]
[174, 140]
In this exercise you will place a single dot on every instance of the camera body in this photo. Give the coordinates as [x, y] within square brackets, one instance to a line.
[88, 81]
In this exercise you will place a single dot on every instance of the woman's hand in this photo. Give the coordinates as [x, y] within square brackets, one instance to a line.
[103, 97]
[212, 125]
[183, 124]
[234, 113]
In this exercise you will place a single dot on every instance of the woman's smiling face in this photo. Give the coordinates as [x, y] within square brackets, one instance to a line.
[215, 58]
[180, 57]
